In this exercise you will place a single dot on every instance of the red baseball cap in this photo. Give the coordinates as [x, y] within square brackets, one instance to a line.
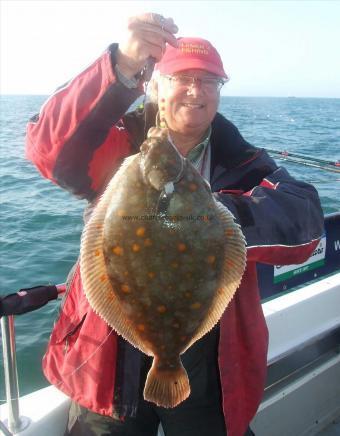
[191, 53]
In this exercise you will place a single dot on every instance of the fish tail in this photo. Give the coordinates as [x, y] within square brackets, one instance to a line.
[166, 387]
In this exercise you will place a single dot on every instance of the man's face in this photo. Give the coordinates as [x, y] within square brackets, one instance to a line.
[189, 109]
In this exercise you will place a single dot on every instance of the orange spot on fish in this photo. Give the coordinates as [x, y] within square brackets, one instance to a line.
[230, 263]
[196, 305]
[99, 226]
[181, 247]
[141, 327]
[103, 278]
[140, 231]
[161, 309]
[135, 248]
[147, 242]
[229, 232]
[211, 259]
[117, 250]
[151, 274]
[192, 187]
[97, 252]
[120, 212]
[126, 289]
[205, 218]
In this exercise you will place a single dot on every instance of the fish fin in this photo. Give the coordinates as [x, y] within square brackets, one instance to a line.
[234, 266]
[96, 284]
[166, 387]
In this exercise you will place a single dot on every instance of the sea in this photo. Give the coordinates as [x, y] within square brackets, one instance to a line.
[40, 224]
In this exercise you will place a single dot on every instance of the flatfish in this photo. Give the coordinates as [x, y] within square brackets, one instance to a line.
[160, 260]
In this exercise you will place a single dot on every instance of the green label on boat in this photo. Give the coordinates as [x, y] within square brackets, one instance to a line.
[317, 259]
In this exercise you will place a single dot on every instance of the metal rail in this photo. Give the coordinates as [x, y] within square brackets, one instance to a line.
[15, 304]
[15, 423]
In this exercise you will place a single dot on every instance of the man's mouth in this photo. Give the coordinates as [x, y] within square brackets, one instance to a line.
[193, 105]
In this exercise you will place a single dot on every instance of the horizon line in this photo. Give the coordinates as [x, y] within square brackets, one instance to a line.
[237, 96]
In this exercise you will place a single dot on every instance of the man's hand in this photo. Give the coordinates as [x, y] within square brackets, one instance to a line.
[147, 36]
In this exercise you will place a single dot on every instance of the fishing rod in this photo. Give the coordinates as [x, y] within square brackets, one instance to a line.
[332, 166]
[301, 156]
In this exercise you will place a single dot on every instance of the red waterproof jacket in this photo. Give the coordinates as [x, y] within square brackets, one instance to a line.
[78, 141]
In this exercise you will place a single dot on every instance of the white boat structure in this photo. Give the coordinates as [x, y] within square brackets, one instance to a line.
[302, 396]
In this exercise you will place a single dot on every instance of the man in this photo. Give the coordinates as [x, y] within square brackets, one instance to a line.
[78, 141]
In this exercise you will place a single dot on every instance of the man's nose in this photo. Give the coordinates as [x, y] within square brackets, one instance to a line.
[195, 87]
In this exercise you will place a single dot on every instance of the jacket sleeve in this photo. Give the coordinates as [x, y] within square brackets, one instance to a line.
[281, 218]
[75, 140]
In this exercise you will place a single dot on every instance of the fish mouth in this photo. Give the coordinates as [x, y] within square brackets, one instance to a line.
[156, 178]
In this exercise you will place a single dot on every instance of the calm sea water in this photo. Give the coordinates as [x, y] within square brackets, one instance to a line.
[41, 224]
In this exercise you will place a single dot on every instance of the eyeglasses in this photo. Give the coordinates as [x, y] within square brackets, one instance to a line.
[208, 84]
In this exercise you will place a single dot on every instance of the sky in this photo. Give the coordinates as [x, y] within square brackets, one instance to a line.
[269, 48]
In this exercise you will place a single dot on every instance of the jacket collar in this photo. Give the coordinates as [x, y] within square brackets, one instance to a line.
[228, 148]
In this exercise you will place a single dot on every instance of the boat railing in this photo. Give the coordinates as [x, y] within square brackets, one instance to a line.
[25, 300]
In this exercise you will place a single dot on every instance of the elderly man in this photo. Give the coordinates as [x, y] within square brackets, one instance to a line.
[79, 139]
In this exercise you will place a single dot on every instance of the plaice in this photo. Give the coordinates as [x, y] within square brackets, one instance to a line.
[161, 260]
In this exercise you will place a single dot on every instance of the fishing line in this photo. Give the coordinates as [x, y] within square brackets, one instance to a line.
[88, 358]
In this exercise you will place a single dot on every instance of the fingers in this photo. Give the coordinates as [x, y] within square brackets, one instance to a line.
[152, 43]
[147, 37]
[163, 27]
[154, 20]
[157, 32]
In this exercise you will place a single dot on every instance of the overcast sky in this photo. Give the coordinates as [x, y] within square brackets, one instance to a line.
[269, 48]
